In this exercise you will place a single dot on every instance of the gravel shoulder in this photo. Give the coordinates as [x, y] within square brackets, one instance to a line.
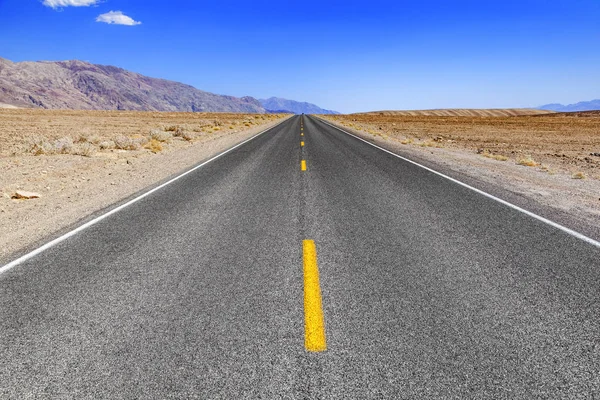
[75, 188]
[548, 189]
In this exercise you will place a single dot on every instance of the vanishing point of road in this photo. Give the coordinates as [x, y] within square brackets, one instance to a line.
[306, 263]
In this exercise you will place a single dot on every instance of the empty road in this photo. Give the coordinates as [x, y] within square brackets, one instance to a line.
[306, 264]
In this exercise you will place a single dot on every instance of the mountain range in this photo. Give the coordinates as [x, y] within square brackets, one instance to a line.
[81, 85]
[581, 106]
[296, 107]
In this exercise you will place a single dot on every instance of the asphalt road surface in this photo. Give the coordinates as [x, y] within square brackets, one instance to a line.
[424, 288]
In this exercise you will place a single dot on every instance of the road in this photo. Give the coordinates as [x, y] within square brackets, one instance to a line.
[423, 288]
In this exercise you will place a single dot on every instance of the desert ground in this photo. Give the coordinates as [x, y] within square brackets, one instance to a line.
[80, 162]
[551, 158]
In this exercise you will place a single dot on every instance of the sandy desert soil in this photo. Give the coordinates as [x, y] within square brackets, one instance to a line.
[83, 161]
[552, 159]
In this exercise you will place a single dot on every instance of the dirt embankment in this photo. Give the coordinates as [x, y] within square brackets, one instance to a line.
[80, 162]
[553, 159]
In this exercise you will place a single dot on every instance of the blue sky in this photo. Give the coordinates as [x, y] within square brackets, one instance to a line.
[344, 55]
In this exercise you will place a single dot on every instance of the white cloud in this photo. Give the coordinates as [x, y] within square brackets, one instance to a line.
[67, 3]
[117, 18]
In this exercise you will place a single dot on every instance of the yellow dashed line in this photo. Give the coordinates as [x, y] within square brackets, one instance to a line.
[314, 322]
[302, 144]
[303, 165]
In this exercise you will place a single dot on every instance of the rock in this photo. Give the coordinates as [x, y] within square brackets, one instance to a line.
[22, 194]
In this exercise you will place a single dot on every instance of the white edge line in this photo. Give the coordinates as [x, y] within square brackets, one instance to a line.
[75, 231]
[481, 192]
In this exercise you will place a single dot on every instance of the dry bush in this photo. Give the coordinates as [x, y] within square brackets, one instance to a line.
[140, 140]
[497, 157]
[40, 146]
[63, 145]
[88, 138]
[579, 175]
[528, 162]
[187, 135]
[154, 145]
[126, 143]
[83, 149]
[107, 145]
[160, 136]
[178, 131]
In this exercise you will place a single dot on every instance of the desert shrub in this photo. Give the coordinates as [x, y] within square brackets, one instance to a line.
[160, 136]
[107, 144]
[528, 162]
[154, 145]
[63, 145]
[140, 141]
[187, 135]
[83, 149]
[579, 175]
[179, 131]
[40, 146]
[126, 143]
[88, 138]
[497, 157]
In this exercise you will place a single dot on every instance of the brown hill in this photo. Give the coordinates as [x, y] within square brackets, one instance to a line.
[578, 114]
[464, 112]
[83, 86]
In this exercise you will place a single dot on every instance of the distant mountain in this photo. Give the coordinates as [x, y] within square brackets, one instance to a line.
[296, 107]
[81, 85]
[582, 106]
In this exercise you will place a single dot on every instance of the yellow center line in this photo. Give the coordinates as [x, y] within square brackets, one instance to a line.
[302, 144]
[314, 322]
[303, 165]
